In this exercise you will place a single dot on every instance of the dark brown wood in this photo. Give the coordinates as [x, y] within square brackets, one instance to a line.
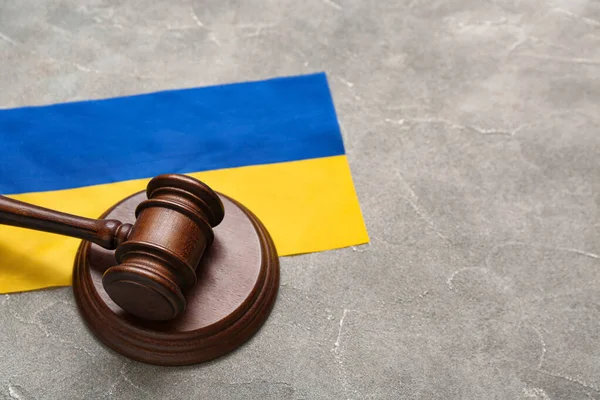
[238, 279]
[157, 263]
[194, 275]
[156, 255]
[107, 233]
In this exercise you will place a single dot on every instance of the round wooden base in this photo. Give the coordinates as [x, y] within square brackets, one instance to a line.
[238, 280]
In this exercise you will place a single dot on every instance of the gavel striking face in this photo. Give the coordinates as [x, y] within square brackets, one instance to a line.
[156, 257]
[159, 254]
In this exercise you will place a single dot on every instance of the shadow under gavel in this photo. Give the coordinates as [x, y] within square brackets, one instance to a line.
[156, 257]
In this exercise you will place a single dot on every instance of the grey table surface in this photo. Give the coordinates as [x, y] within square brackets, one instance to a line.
[472, 132]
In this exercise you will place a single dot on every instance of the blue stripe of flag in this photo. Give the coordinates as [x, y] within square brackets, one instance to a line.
[76, 144]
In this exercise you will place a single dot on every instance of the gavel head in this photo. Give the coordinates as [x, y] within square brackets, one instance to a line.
[158, 256]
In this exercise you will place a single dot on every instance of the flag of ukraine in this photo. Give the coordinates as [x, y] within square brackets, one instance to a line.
[274, 145]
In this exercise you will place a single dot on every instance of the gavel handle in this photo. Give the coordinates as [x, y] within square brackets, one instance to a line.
[108, 233]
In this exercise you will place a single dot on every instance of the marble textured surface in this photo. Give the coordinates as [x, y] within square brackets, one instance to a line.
[472, 131]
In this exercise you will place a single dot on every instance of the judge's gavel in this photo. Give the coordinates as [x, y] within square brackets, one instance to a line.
[156, 257]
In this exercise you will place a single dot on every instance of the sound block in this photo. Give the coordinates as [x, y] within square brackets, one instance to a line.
[238, 280]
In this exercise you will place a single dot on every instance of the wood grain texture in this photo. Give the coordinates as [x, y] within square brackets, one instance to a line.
[107, 233]
[156, 254]
[157, 263]
[238, 280]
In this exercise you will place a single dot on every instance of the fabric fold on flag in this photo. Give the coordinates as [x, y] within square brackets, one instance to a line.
[274, 145]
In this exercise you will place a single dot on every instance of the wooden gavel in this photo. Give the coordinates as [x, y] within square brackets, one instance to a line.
[156, 257]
